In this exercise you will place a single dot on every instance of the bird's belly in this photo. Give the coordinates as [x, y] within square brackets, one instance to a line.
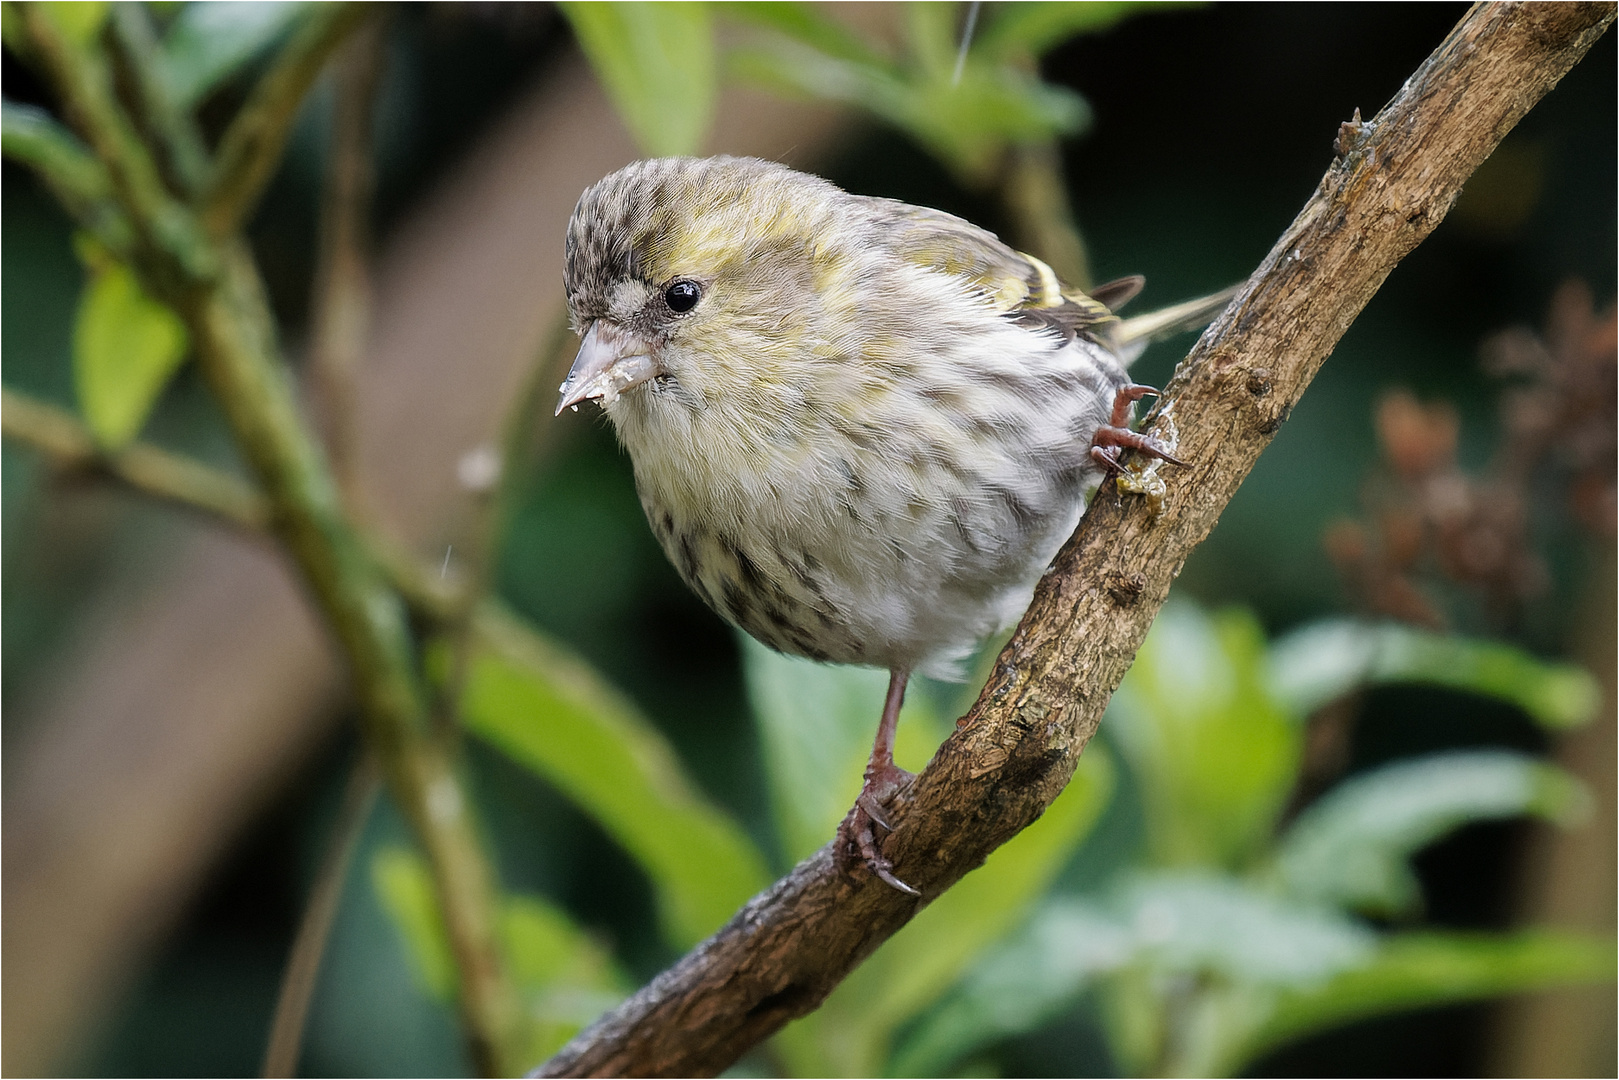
[854, 565]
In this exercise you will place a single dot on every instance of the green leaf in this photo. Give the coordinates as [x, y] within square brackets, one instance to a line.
[126, 347]
[1018, 987]
[548, 711]
[209, 41]
[851, 1033]
[1212, 750]
[565, 978]
[1351, 846]
[13, 31]
[78, 21]
[805, 24]
[657, 62]
[816, 724]
[1193, 923]
[1032, 28]
[965, 124]
[1414, 970]
[405, 888]
[1166, 925]
[1326, 660]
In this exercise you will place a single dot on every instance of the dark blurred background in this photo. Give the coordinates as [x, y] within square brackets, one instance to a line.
[1212, 127]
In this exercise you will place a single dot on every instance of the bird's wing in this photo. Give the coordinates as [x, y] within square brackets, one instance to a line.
[1018, 285]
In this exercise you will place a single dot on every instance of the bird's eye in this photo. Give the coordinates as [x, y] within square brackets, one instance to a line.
[682, 296]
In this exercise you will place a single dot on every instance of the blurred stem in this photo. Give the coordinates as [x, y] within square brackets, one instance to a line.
[171, 126]
[181, 481]
[303, 961]
[32, 137]
[213, 283]
[251, 146]
[1568, 877]
[172, 478]
[83, 79]
[1036, 197]
[342, 274]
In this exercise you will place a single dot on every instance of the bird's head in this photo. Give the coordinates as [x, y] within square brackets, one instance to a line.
[693, 274]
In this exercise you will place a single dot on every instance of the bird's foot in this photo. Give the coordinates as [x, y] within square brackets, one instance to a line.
[857, 836]
[1116, 435]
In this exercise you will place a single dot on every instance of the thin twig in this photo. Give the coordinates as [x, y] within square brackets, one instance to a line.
[171, 477]
[303, 960]
[1016, 749]
[169, 123]
[181, 481]
[251, 147]
[84, 80]
[342, 273]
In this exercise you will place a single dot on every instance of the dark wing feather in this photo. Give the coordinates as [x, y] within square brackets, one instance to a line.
[1019, 285]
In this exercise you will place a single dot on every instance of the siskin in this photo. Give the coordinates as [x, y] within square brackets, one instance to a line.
[860, 429]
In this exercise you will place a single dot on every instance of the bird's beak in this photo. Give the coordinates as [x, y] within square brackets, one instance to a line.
[610, 361]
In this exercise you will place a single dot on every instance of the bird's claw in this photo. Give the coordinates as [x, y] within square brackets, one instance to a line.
[1116, 435]
[874, 809]
[857, 835]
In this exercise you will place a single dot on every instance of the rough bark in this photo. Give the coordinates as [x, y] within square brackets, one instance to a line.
[1391, 183]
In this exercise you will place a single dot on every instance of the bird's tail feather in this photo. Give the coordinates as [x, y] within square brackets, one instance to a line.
[1130, 337]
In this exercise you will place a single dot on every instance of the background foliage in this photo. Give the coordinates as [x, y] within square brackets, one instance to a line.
[1206, 890]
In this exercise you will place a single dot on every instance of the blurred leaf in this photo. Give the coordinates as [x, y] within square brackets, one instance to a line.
[78, 21]
[1018, 987]
[1350, 847]
[805, 24]
[816, 724]
[658, 65]
[126, 346]
[1413, 970]
[210, 41]
[1196, 923]
[1032, 28]
[406, 891]
[549, 711]
[1167, 925]
[850, 1034]
[965, 124]
[13, 31]
[1326, 660]
[565, 978]
[1214, 753]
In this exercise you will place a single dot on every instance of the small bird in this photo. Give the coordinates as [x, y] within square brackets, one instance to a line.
[860, 429]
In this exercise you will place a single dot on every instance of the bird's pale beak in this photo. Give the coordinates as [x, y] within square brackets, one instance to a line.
[610, 361]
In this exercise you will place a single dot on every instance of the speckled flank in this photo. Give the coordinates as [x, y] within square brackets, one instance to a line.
[869, 437]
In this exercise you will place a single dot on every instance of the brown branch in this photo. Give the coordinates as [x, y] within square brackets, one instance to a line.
[250, 149]
[298, 980]
[1394, 180]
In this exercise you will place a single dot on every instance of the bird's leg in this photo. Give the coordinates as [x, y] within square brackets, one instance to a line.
[858, 833]
[1116, 433]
